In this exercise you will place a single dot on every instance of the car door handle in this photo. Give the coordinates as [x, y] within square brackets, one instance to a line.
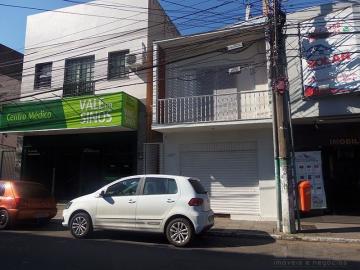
[131, 201]
[170, 201]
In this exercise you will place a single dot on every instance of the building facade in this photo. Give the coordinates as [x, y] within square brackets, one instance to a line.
[84, 93]
[11, 63]
[324, 72]
[213, 106]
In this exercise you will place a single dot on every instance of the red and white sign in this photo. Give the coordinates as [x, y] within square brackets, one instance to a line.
[330, 54]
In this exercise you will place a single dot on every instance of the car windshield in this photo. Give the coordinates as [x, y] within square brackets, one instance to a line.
[31, 190]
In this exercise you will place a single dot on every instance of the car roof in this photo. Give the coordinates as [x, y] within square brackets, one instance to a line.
[159, 176]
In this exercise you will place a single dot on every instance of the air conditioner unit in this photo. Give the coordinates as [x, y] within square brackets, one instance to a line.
[136, 60]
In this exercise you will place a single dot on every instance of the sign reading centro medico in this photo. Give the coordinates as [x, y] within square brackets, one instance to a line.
[106, 110]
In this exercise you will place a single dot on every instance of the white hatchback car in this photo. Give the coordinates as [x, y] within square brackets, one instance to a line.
[177, 206]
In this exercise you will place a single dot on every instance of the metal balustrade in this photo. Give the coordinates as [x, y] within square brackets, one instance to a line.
[244, 105]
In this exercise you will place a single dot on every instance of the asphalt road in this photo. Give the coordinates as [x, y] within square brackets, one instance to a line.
[52, 247]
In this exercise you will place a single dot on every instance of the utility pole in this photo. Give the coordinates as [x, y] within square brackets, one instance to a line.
[279, 81]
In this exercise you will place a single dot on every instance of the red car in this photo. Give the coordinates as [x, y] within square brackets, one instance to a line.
[21, 200]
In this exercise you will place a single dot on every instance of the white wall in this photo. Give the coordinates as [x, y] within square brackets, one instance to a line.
[54, 37]
[263, 137]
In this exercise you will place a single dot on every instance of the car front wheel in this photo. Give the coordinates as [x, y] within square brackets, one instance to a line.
[80, 225]
[4, 219]
[179, 232]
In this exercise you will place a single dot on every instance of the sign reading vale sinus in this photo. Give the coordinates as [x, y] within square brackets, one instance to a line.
[95, 110]
[115, 109]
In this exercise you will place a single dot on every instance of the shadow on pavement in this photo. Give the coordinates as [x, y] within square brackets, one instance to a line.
[29, 251]
[53, 225]
[199, 241]
[332, 230]
[150, 238]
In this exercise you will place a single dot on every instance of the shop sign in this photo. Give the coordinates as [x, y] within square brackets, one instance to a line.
[309, 167]
[345, 141]
[106, 110]
[330, 54]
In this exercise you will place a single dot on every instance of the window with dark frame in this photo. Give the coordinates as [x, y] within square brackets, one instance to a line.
[43, 75]
[123, 188]
[117, 68]
[79, 76]
[158, 186]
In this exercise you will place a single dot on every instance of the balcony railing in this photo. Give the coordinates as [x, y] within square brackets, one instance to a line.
[78, 88]
[245, 105]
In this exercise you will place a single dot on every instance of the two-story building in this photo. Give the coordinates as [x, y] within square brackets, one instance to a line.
[85, 86]
[213, 106]
[323, 50]
[11, 63]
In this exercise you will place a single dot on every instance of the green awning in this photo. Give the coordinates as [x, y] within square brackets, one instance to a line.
[106, 110]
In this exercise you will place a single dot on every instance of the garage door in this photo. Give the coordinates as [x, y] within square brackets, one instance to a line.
[228, 172]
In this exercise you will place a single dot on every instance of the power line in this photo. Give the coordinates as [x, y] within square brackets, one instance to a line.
[129, 24]
[159, 24]
[93, 50]
[177, 60]
[108, 88]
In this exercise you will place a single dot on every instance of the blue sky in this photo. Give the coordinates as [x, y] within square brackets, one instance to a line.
[13, 20]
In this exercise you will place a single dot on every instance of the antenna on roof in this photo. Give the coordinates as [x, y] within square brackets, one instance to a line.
[248, 10]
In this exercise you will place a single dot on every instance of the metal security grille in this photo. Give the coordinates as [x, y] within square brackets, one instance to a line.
[243, 105]
[7, 164]
[152, 158]
[211, 94]
[79, 76]
[228, 171]
[198, 82]
[117, 65]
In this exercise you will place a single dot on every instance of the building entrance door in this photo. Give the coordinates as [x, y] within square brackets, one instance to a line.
[344, 180]
[66, 176]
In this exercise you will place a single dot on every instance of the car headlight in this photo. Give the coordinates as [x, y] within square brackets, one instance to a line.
[67, 206]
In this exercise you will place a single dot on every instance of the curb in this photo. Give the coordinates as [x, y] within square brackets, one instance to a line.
[324, 239]
[288, 237]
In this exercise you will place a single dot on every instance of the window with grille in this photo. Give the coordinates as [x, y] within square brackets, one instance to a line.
[117, 68]
[43, 75]
[79, 76]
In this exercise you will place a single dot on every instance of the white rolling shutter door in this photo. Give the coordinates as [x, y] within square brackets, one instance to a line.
[228, 171]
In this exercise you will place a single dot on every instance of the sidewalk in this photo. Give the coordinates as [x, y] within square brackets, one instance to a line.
[312, 231]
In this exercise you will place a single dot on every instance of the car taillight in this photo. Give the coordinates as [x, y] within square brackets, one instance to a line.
[20, 203]
[196, 202]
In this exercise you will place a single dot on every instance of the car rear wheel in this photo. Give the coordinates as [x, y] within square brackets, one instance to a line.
[179, 232]
[80, 225]
[4, 219]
